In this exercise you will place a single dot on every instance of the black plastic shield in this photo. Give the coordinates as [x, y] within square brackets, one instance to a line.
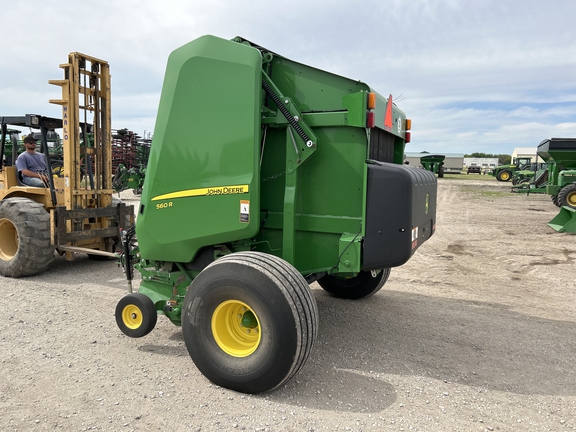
[400, 213]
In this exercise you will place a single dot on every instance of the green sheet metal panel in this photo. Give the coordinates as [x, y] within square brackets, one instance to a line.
[330, 202]
[204, 187]
[319, 91]
[330, 195]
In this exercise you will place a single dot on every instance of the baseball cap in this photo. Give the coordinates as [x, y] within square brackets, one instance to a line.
[30, 139]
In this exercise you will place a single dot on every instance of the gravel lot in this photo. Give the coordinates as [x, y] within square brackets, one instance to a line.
[475, 332]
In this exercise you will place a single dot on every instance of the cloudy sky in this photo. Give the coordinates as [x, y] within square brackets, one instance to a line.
[474, 76]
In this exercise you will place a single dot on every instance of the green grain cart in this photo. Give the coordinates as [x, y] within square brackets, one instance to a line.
[560, 153]
[266, 175]
[434, 163]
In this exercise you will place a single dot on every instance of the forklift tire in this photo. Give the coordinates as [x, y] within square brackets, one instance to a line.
[567, 196]
[25, 246]
[249, 321]
[504, 176]
[360, 286]
[136, 315]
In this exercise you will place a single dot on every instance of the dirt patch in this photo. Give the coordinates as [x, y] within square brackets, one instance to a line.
[475, 332]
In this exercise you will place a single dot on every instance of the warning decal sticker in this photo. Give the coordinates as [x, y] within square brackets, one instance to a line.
[244, 211]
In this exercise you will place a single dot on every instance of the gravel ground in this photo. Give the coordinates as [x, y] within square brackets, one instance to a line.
[475, 332]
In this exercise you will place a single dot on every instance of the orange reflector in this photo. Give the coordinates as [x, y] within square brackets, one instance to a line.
[408, 124]
[370, 120]
[371, 101]
[388, 115]
[407, 137]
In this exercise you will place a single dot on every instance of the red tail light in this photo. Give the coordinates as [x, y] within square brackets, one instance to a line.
[407, 137]
[370, 120]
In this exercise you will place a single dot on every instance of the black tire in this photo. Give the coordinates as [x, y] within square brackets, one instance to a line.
[274, 343]
[504, 176]
[361, 286]
[555, 200]
[567, 196]
[25, 247]
[136, 315]
[441, 172]
[57, 168]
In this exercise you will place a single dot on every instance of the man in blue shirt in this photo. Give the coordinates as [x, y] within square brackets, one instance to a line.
[32, 165]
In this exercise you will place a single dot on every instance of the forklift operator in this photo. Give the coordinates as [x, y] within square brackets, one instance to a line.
[32, 165]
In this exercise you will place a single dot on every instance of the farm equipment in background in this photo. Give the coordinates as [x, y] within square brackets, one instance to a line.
[75, 211]
[564, 221]
[504, 173]
[130, 155]
[528, 173]
[266, 175]
[434, 163]
[560, 153]
[534, 180]
[14, 139]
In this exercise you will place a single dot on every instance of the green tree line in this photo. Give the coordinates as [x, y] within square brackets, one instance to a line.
[503, 159]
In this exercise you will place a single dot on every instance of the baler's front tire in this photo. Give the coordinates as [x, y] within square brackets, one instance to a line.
[25, 246]
[249, 322]
[360, 286]
[136, 315]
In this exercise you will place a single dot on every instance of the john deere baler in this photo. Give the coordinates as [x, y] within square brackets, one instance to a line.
[264, 176]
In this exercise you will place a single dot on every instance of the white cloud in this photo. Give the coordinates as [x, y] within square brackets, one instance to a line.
[475, 76]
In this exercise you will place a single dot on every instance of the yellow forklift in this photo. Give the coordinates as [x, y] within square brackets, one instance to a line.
[75, 211]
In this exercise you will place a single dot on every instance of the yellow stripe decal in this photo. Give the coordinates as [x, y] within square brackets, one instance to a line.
[210, 191]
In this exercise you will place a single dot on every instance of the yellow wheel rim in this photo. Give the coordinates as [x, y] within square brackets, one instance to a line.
[236, 328]
[8, 239]
[505, 176]
[571, 199]
[132, 316]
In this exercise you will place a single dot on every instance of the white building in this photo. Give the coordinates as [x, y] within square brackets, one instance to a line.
[453, 162]
[485, 163]
[524, 152]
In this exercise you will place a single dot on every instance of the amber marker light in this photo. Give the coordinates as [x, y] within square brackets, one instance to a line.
[407, 134]
[371, 101]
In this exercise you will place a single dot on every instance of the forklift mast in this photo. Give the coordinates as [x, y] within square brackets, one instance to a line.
[86, 132]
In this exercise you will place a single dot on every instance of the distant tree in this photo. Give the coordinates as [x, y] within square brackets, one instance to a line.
[504, 159]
